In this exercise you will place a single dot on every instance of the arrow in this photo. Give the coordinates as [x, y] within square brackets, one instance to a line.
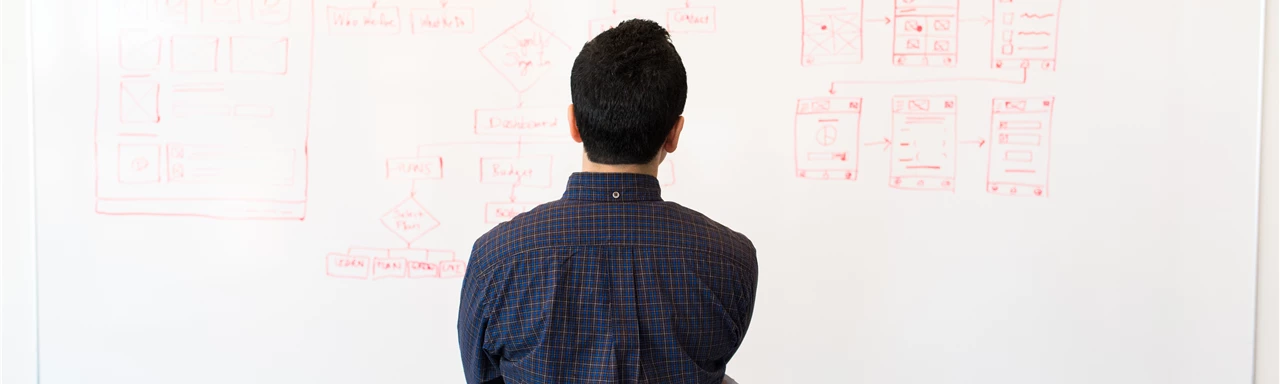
[413, 188]
[985, 20]
[832, 90]
[615, 7]
[444, 3]
[513, 191]
[528, 13]
[686, 3]
[980, 141]
[886, 19]
[520, 95]
[884, 141]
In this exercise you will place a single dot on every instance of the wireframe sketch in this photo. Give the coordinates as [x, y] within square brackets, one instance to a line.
[923, 152]
[185, 92]
[1020, 136]
[1024, 34]
[826, 138]
[831, 32]
[925, 32]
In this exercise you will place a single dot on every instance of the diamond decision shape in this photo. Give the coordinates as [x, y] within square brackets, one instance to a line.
[524, 53]
[409, 220]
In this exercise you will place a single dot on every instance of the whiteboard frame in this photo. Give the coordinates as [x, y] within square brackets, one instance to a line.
[1266, 359]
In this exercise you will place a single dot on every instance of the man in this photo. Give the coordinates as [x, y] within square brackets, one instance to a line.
[611, 284]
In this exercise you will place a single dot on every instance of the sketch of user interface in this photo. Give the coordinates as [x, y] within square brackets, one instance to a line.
[924, 32]
[832, 32]
[1025, 34]
[924, 143]
[826, 138]
[1019, 157]
[203, 108]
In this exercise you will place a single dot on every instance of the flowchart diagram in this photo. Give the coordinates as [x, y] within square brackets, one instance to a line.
[515, 148]
[522, 54]
[923, 143]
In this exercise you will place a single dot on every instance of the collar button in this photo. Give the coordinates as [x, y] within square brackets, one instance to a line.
[616, 194]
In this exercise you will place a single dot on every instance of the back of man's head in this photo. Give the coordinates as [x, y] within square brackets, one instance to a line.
[628, 86]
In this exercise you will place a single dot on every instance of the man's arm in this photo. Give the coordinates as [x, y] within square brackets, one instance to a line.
[473, 320]
[749, 284]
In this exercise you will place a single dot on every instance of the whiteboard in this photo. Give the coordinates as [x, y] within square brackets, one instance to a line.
[1049, 191]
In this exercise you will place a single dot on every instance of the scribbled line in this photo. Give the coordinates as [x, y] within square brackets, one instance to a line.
[1025, 33]
[1036, 48]
[924, 167]
[1020, 171]
[1035, 15]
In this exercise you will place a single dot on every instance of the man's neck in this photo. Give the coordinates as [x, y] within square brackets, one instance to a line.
[650, 169]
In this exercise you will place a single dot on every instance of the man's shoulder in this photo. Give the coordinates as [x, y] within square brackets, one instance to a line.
[534, 227]
[720, 232]
[506, 237]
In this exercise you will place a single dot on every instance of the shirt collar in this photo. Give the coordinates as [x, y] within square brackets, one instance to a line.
[595, 186]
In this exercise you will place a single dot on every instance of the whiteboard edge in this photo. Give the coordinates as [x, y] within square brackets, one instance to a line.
[18, 355]
[1265, 363]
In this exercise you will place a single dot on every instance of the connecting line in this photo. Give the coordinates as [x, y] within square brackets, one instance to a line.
[1022, 80]
[519, 152]
[413, 188]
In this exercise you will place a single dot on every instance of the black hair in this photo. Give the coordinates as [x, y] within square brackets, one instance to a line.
[628, 87]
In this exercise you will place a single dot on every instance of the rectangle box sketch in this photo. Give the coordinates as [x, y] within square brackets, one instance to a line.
[1024, 34]
[831, 32]
[1019, 157]
[923, 154]
[826, 138]
[185, 92]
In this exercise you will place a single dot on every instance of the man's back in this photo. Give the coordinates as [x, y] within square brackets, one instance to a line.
[610, 284]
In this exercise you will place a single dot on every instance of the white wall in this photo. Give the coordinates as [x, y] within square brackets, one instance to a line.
[17, 268]
[1267, 359]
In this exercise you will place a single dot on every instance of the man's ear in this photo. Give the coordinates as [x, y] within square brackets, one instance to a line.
[573, 126]
[673, 138]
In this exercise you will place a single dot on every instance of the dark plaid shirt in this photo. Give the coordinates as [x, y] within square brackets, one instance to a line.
[609, 284]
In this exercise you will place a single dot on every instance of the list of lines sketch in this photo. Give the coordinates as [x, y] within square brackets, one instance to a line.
[923, 139]
[179, 134]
